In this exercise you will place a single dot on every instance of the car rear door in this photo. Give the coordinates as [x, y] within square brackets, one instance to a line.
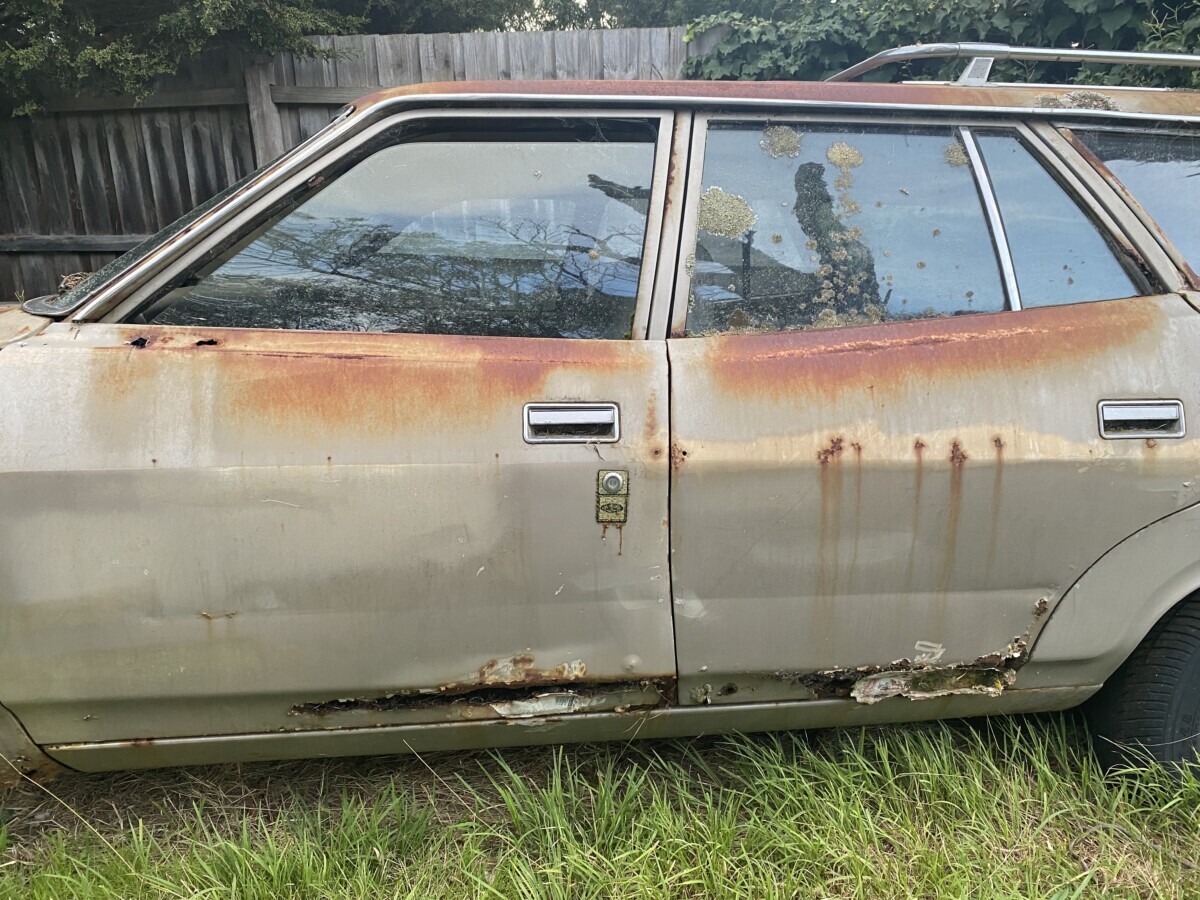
[388, 455]
[900, 428]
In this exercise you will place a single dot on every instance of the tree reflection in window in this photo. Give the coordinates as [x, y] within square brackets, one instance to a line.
[821, 226]
[506, 238]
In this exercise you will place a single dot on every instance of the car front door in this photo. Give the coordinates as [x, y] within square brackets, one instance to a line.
[899, 429]
[390, 455]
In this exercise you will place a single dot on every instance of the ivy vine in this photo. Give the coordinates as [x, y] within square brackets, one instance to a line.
[820, 37]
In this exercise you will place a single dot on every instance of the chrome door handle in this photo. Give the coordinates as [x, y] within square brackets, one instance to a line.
[1141, 419]
[572, 423]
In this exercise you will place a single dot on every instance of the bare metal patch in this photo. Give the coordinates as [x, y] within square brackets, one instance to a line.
[546, 705]
[925, 684]
[725, 214]
[919, 680]
[780, 140]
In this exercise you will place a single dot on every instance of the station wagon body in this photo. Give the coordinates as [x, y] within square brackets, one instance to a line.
[499, 414]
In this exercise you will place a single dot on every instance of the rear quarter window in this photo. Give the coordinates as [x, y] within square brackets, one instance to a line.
[1161, 169]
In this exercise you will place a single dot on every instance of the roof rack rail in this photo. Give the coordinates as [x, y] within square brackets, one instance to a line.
[981, 57]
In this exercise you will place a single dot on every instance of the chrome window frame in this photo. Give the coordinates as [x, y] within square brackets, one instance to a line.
[96, 305]
[991, 207]
[1134, 238]
[249, 215]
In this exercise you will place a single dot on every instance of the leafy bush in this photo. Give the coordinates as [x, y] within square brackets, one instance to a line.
[812, 39]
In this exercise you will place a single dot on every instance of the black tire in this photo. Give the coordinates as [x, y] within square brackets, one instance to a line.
[1150, 708]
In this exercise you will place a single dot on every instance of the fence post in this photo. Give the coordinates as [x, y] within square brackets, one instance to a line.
[266, 128]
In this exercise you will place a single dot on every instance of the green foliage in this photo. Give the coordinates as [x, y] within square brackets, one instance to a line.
[66, 46]
[995, 809]
[811, 39]
[49, 46]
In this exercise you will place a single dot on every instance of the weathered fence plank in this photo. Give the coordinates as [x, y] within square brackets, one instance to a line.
[265, 123]
[94, 175]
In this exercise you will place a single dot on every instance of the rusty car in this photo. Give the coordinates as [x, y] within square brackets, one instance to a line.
[504, 413]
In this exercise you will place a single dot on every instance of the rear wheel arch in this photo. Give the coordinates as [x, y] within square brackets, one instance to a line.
[1117, 602]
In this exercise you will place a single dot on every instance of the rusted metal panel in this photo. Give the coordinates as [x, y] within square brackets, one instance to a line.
[628, 726]
[910, 495]
[1117, 600]
[209, 530]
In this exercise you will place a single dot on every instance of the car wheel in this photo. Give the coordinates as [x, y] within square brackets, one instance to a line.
[1150, 708]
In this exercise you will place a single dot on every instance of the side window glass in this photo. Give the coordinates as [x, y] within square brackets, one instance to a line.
[1059, 254]
[816, 226]
[1162, 170]
[532, 233]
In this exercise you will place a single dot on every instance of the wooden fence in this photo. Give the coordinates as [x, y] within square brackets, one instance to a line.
[94, 176]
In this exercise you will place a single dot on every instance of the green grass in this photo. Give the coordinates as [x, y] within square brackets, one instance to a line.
[1003, 808]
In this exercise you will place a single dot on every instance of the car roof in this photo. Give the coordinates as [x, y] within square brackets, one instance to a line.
[1055, 100]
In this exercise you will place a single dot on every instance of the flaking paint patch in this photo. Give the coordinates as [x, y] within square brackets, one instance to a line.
[926, 684]
[547, 705]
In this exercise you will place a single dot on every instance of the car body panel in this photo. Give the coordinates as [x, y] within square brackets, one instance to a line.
[224, 530]
[910, 493]
[233, 544]
[615, 726]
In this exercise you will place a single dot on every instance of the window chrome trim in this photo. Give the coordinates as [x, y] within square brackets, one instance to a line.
[304, 155]
[991, 209]
[670, 241]
[178, 255]
[688, 229]
[695, 178]
[652, 244]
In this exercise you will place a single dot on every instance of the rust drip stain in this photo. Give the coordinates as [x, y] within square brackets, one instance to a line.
[893, 357]
[958, 460]
[830, 459]
[650, 432]
[997, 493]
[919, 451]
[857, 447]
[324, 383]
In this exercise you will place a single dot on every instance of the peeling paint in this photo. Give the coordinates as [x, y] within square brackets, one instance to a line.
[506, 701]
[925, 684]
[546, 705]
[919, 680]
